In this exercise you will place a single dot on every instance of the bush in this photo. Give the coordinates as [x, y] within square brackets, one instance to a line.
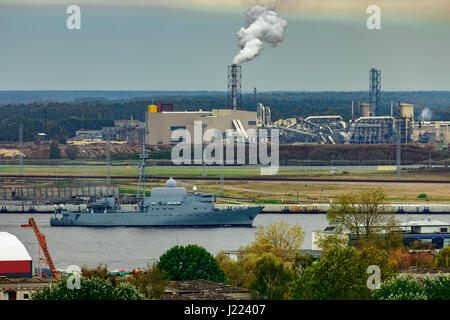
[341, 274]
[437, 288]
[72, 152]
[400, 288]
[126, 291]
[190, 263]
[407, 288]
[100, 271]
[443, 258]
[401, 259]
[422, 259]
[53, 151]
[152, 282]
[90, 289]
[419, 245]
[272, 279]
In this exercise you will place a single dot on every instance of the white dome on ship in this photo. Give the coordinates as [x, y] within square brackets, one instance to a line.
[171, 183]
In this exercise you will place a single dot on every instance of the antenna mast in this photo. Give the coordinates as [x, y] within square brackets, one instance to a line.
[141, 187]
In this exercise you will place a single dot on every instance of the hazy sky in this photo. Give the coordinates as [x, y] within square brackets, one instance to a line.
[187, 45]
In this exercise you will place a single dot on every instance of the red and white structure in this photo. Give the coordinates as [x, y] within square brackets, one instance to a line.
[15, 262]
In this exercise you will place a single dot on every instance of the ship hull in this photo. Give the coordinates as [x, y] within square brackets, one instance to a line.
[236, 217]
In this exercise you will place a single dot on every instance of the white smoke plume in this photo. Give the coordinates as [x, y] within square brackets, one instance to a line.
[263, 25]
[426, 114]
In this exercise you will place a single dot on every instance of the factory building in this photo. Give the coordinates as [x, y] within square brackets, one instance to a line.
[264, 115]
[368, 129]
[161, 124]
[124, 130]
[431, 132]
[372, 130]
[15, 262]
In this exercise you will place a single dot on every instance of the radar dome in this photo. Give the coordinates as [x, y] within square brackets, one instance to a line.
[171, 183]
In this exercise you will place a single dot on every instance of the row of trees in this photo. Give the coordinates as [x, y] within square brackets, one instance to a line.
[57, 129]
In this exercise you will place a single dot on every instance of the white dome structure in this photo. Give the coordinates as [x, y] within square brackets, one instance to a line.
[171, 183]
[15, 262]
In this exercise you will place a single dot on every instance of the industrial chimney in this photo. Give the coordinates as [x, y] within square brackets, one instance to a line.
[234, 86]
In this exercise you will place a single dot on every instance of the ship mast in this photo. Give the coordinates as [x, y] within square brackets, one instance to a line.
[142, 174]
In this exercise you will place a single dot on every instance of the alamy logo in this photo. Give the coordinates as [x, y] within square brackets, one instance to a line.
[74, 20]
[374, 20]
[74, 280]
[210, 147]
[374, 280]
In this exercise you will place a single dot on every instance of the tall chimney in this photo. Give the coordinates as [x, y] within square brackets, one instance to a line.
[234, 86]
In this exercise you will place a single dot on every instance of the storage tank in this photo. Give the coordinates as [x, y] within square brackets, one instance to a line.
[15, 262]
[364, 109]
[405, 110]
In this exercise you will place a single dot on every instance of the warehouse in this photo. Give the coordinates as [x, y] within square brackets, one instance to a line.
[15, 262]
[161, 124]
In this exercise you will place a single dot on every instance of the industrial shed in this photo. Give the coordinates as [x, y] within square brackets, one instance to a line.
[15, 262]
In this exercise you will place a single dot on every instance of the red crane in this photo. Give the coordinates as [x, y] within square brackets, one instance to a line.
[43, 243]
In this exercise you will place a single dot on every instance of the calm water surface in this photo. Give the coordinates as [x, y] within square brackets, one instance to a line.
[128, 248]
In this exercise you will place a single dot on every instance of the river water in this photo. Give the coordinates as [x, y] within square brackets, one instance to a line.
[129, 248]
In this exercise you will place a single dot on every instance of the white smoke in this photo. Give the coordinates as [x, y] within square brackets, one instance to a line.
[426, 114]
[263, 25]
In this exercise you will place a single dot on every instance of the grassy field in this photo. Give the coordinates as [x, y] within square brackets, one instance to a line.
[88, 171]
[311, 192]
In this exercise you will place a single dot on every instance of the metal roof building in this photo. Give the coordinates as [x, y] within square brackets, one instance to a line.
[15, 262]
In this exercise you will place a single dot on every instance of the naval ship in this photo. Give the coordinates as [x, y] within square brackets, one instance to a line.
[166, 206]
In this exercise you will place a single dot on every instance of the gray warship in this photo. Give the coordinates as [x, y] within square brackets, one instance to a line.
[166, 206]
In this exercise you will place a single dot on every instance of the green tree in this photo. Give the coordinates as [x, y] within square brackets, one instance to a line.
[152, 282]
[443, 258]
[90, 289]
[190, 263]
[341, 274]
[364, 215]
[240, 273]
[302, 261]
[72, 152]
[53, 151]
[272, 279]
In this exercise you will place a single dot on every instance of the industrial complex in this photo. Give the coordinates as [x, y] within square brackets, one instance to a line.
[366, 126]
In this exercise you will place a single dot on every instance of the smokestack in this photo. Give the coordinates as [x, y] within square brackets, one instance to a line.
[234, 86]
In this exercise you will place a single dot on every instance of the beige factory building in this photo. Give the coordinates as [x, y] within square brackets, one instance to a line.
[432, 132]
[161, 124]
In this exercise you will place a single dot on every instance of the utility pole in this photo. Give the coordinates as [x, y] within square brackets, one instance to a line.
[399, 151]
[108, 162]
[221, 191]
[21, 148]
[204, 174]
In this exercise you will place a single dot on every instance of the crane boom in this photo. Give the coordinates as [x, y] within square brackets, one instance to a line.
[43, 243]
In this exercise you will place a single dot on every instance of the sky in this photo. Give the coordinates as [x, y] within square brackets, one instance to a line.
[188, 44]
